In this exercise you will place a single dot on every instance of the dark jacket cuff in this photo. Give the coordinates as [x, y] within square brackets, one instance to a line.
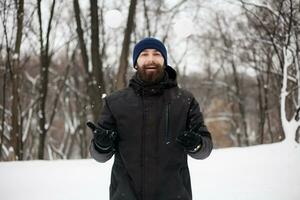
[102, 149]
[205, 149]
[100, 157]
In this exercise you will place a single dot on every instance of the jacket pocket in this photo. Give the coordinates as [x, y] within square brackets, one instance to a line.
[167, 124]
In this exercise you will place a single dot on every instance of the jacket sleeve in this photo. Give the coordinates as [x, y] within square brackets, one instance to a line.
[195, 122]
[108, 122]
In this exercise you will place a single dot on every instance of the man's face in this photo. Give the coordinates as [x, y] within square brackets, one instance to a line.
[150, 65]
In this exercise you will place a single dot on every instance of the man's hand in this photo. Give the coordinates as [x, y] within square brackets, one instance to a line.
[190, 140]
[103, 139]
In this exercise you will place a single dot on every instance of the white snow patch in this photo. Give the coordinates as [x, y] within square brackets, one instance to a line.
[265, 172]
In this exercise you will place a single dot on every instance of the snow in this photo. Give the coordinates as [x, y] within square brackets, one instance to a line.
[253, 173]
[113, 18]
[264, 172]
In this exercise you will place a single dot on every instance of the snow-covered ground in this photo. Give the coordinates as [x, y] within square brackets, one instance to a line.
[265, 172]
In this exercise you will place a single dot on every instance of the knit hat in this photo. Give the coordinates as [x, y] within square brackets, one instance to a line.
[149, 43]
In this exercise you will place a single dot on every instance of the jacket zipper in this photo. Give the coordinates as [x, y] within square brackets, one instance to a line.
[167, 139]
[143, 151]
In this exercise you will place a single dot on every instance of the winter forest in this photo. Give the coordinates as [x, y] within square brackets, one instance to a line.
[59, 59]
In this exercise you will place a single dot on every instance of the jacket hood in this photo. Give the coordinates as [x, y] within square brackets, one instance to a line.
[171, 72]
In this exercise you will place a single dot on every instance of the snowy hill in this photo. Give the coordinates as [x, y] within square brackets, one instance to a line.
[265, 172]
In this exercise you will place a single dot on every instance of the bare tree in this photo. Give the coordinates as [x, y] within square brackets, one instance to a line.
[94, 78]
[6, 70]
[278, 21]
[12, 65]
[232, 54]
[16, 106]
[123, 63]
[148, 29]
[45, 60]
[99, 86]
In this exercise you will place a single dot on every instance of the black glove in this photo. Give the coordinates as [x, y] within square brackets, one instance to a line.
[190, 140]
[104, 140]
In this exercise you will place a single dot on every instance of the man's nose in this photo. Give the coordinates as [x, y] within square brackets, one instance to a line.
[150, 58]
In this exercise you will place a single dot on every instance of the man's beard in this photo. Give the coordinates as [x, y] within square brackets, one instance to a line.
[150, 76]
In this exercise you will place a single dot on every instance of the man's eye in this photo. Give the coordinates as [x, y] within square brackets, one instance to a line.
[157, 54]
[144, 54]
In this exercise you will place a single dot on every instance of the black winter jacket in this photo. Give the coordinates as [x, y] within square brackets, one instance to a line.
[149, 164]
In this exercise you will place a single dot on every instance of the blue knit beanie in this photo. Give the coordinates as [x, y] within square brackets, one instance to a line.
[149, 43]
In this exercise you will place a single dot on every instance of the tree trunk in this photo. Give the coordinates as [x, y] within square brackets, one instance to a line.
[15, 107]
[79, 30]
[3, 110]
[266, 92]
[261, 111]
[98, 85]
[44, 72]
[123, 65]
[241, 103]
[148, 29]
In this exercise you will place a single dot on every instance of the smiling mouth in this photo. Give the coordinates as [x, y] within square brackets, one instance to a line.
[151, 66]
[151, 69]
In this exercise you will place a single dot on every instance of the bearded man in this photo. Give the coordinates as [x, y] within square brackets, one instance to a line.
[150, 126]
